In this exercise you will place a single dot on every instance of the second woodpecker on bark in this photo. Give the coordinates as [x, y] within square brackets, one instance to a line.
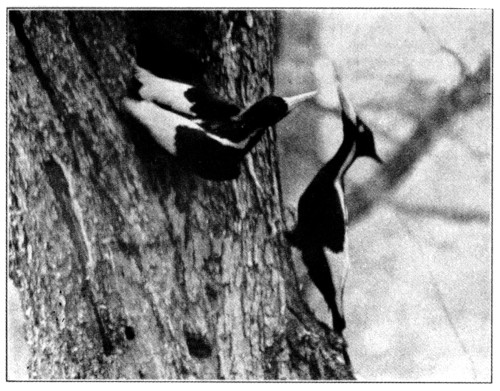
[321, 227]
[206, 133]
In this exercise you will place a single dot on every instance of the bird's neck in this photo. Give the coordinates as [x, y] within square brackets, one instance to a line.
[235, 130]
[345, 156]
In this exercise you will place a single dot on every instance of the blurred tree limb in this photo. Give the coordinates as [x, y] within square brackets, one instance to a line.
[472, 92]
[443, 212]
[433, 35]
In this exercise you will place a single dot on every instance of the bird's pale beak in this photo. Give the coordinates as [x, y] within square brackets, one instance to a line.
[293, 101]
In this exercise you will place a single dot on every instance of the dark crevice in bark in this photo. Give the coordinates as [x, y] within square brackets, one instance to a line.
[198, 345]
[17, 19]
[59, 182]
[129, 333]
[149, 298]
[69, 120]
[107, 346]
[86, 53]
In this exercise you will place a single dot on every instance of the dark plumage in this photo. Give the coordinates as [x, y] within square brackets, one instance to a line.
[320, 232]
[204, 132]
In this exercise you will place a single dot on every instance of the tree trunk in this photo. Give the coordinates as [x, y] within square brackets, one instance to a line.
[128, 265]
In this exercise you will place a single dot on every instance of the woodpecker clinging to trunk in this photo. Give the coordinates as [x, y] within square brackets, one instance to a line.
[320, 232]
[204, 132]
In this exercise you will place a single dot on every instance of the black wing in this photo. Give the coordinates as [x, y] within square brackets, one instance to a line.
[207, 157]
[317, 265]
[320, 217]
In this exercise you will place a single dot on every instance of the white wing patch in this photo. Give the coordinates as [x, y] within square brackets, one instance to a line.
[340, 192]
[163, 91]
[163, 124]
[241, 145]
[339, 268]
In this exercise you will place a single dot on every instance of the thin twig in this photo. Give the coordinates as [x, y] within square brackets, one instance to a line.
[443, 212]
[464, 69]
[413, 236]
[464, 98]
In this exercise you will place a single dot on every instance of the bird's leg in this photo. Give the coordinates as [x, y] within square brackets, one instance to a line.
[346, 357]
[339, 265]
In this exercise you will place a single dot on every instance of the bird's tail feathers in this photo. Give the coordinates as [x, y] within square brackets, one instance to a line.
[339, 267]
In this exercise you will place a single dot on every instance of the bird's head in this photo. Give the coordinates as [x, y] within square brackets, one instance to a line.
[365, 142]
[272, 109]
[355, 128]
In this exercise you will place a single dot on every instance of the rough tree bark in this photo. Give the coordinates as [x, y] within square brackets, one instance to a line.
[128, 265]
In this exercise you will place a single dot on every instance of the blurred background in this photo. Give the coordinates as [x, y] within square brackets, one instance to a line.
[418, 296]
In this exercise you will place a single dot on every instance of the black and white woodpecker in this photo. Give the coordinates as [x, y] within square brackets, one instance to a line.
[321, 227]
[206, 133]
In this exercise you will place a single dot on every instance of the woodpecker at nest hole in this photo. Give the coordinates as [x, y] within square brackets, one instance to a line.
[207, 134]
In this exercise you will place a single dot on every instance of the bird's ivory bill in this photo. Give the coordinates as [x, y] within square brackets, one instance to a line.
[339, 267]
[163, 91]
[293, 101]
[346, 106]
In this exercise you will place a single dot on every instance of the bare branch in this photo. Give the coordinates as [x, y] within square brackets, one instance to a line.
[464, 69]
[443, 212]
[439, 294]
[470, 94]
[474, 152]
